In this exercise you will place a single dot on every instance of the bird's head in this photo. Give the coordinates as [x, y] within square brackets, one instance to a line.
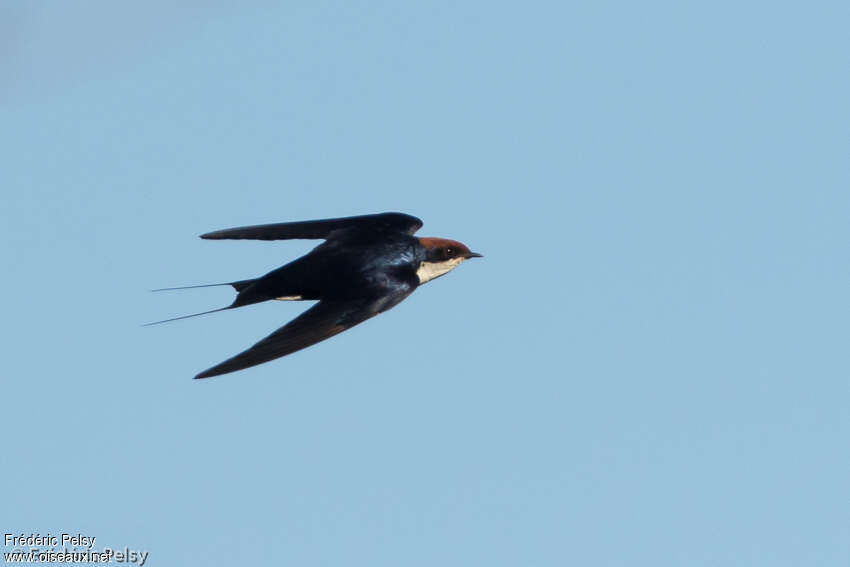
[441, 256]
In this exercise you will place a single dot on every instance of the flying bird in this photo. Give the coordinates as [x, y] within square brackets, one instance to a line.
[366, 265]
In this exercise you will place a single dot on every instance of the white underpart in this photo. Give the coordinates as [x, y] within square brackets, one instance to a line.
[289, 297]
[429, 270]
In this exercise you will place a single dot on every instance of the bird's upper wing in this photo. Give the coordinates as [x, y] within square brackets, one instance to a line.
[322, 321]
[314, 229]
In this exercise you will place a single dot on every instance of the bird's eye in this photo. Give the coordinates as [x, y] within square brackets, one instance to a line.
[450, 252]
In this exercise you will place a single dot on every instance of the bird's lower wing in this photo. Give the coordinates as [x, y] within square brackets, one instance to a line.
[322, 321]
[316, 229]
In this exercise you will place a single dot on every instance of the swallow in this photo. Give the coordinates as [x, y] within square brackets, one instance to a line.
[366, 265]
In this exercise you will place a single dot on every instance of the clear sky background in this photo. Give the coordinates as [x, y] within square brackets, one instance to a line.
[649, 366]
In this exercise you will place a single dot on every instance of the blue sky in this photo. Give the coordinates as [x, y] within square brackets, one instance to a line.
[649, 366]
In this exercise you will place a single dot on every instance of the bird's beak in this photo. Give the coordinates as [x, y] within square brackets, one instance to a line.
[474, 255]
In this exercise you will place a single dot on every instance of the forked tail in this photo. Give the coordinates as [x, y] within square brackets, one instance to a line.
[238, 286]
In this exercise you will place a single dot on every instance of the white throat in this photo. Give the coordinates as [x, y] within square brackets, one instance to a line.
[429, 270]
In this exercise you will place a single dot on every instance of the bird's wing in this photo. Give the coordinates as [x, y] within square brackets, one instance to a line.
[322, 321]
[315, 229]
